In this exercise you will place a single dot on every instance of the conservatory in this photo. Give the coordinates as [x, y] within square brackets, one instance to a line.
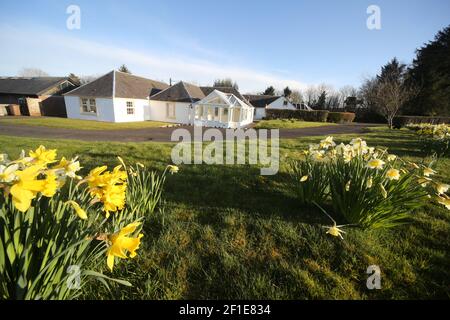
[222, 110]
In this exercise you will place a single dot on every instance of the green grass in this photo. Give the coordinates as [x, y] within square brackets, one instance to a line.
[289, 124]
[227, 232]
[65, 123]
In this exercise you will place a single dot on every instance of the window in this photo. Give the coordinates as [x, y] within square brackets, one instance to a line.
[216, 114]
[130, 107]
[198, 112]
[224, 117]
[285, 103]
[88, 105]
[236, 115]
[170, 110]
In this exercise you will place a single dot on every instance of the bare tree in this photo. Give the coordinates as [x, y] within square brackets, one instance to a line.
[390, 96]
[296, 96]
[32, 72]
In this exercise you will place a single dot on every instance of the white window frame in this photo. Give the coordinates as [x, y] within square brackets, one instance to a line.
[91, 106]
[131, 110]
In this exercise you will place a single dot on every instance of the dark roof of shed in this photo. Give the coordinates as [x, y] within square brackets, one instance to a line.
[260, 100]
[180, 92]
[119, 85]
[29, 85]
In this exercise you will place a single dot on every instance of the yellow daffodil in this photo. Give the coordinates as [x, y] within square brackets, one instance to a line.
[8, 174]
[95, 178]
[78, 210]
[113, 198]
[393, 174]
[375, 164]
[26, 187]
[442, 188]
[304, 178]
[43, 156]
[326, 143]
[70, 167]
[423, 181]
[391, 157]
[428, 172]
[445, 201]
[50, 184]
[121, 244]
[173, 169]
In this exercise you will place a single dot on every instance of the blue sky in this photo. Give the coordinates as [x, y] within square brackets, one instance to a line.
[257, 43]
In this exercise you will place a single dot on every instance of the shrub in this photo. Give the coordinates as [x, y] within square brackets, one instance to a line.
[369, 187]
[435, 139]
[54, 222]
[305, 115]
[403, 121]
[341, 117]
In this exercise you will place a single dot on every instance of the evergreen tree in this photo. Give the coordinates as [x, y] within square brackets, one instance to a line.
[320, 104]
[287, 92]
[270, 91]
[430, 70]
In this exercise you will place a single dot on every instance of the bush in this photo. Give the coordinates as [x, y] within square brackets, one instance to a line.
[435, 138]
[341, 117]
[402, 121]
[305, 115]
[368, 187]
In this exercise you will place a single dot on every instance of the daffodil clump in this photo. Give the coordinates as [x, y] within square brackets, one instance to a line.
[367, 186]
[52, 218]
[434, 137]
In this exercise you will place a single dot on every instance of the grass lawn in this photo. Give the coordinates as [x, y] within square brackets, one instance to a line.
[80, 124]
[289, 124]
[227, 232]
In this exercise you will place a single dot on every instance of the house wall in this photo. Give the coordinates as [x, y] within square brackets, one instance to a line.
[279, 104]
[141, 110]
[53, 106]
[105, 109]
[259, 113]
[158, 112]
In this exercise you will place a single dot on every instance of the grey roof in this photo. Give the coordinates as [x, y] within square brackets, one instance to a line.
[180, 92]
[234, 91]
[29, 85]
[119, 84]
[260, 100]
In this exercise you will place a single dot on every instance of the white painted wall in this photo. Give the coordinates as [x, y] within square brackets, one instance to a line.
[259, 113]
[158, 112]
[279, 104]
[105, 109]
[141, 110]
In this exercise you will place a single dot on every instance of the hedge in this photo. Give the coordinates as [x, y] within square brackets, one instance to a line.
[402, 121]
[341, 117]
[314, 115]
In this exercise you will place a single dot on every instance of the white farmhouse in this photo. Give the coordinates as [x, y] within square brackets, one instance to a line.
[263, 102]
[114, 97]
[122, 97]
